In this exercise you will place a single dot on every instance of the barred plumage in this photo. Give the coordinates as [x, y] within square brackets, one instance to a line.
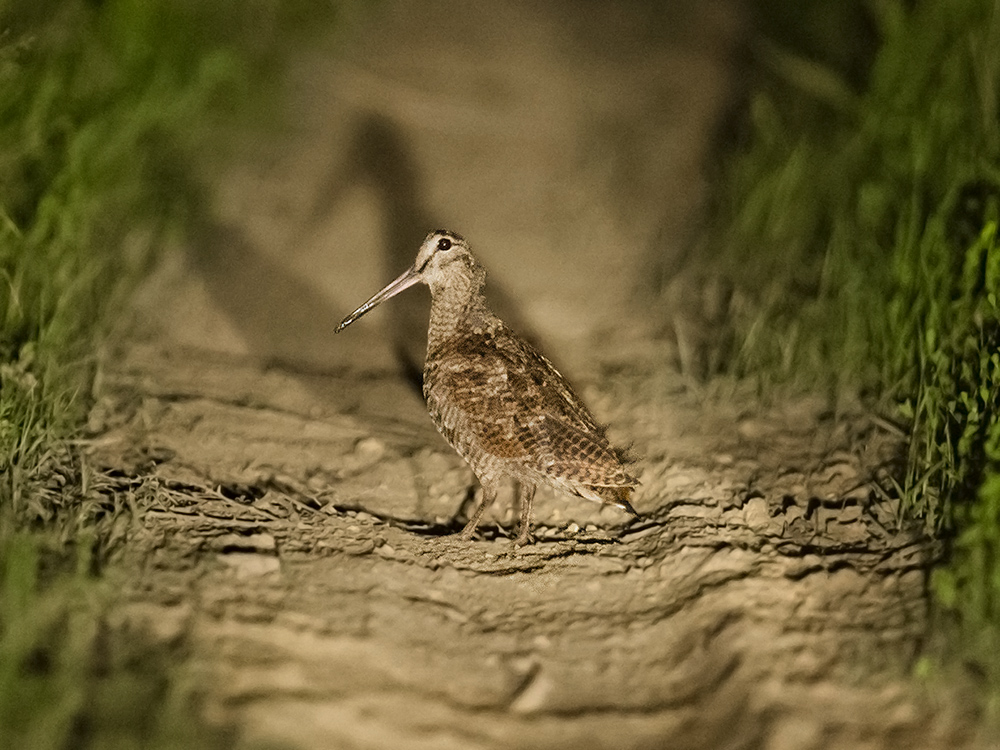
[503, 406]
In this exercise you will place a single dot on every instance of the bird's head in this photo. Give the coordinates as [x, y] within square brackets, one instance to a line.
[443, 262]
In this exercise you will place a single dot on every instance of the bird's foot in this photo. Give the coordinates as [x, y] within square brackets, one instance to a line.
[489, 495]
[524, 536]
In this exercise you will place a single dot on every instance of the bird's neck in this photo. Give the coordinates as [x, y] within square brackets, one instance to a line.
[459, 303]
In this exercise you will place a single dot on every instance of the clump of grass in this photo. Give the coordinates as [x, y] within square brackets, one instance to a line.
[829, 213]
[104, 108]
[861, 234]
[954, 464]
[68, 679]
[90, 98]
[28, 621]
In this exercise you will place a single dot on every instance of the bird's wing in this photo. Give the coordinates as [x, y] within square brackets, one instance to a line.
[477, 393]
[566, 452]
[557, 397]
[517, 405]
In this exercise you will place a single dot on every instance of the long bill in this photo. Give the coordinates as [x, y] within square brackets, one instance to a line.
[405, 281]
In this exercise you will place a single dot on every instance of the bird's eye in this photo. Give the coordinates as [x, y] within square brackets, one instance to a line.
[444, 244]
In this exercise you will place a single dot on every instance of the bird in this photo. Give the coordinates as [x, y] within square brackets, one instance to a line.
[496, 400]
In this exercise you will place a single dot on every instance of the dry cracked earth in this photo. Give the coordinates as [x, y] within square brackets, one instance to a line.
[298, 507]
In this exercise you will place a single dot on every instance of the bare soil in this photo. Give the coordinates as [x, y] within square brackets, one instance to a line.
[297, 505]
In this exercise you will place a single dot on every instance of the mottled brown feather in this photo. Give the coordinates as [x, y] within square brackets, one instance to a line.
[497, 401]
[570, 453]
[518, 406]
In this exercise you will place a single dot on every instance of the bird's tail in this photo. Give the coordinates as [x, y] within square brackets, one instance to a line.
[617, 496]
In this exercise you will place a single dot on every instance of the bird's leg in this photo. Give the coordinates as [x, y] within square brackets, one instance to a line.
[525, 496]
[489, 495]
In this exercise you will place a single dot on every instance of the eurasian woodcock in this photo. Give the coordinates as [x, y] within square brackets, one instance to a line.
[498, 402]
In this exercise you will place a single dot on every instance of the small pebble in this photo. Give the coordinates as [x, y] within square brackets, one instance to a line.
[756, 515]
[251, 564]
[370, 447]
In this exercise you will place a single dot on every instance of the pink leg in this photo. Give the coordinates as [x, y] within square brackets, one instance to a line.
[489, 495]
[525, 496]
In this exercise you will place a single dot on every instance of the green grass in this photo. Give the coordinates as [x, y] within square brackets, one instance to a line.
[860, 231]
[106, 110]
[67, 677]
[88, 113]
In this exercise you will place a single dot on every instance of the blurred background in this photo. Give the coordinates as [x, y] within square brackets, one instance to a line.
[798, 196]
[567, 142]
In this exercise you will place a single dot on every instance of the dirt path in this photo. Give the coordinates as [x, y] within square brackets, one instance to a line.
[299, 500]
